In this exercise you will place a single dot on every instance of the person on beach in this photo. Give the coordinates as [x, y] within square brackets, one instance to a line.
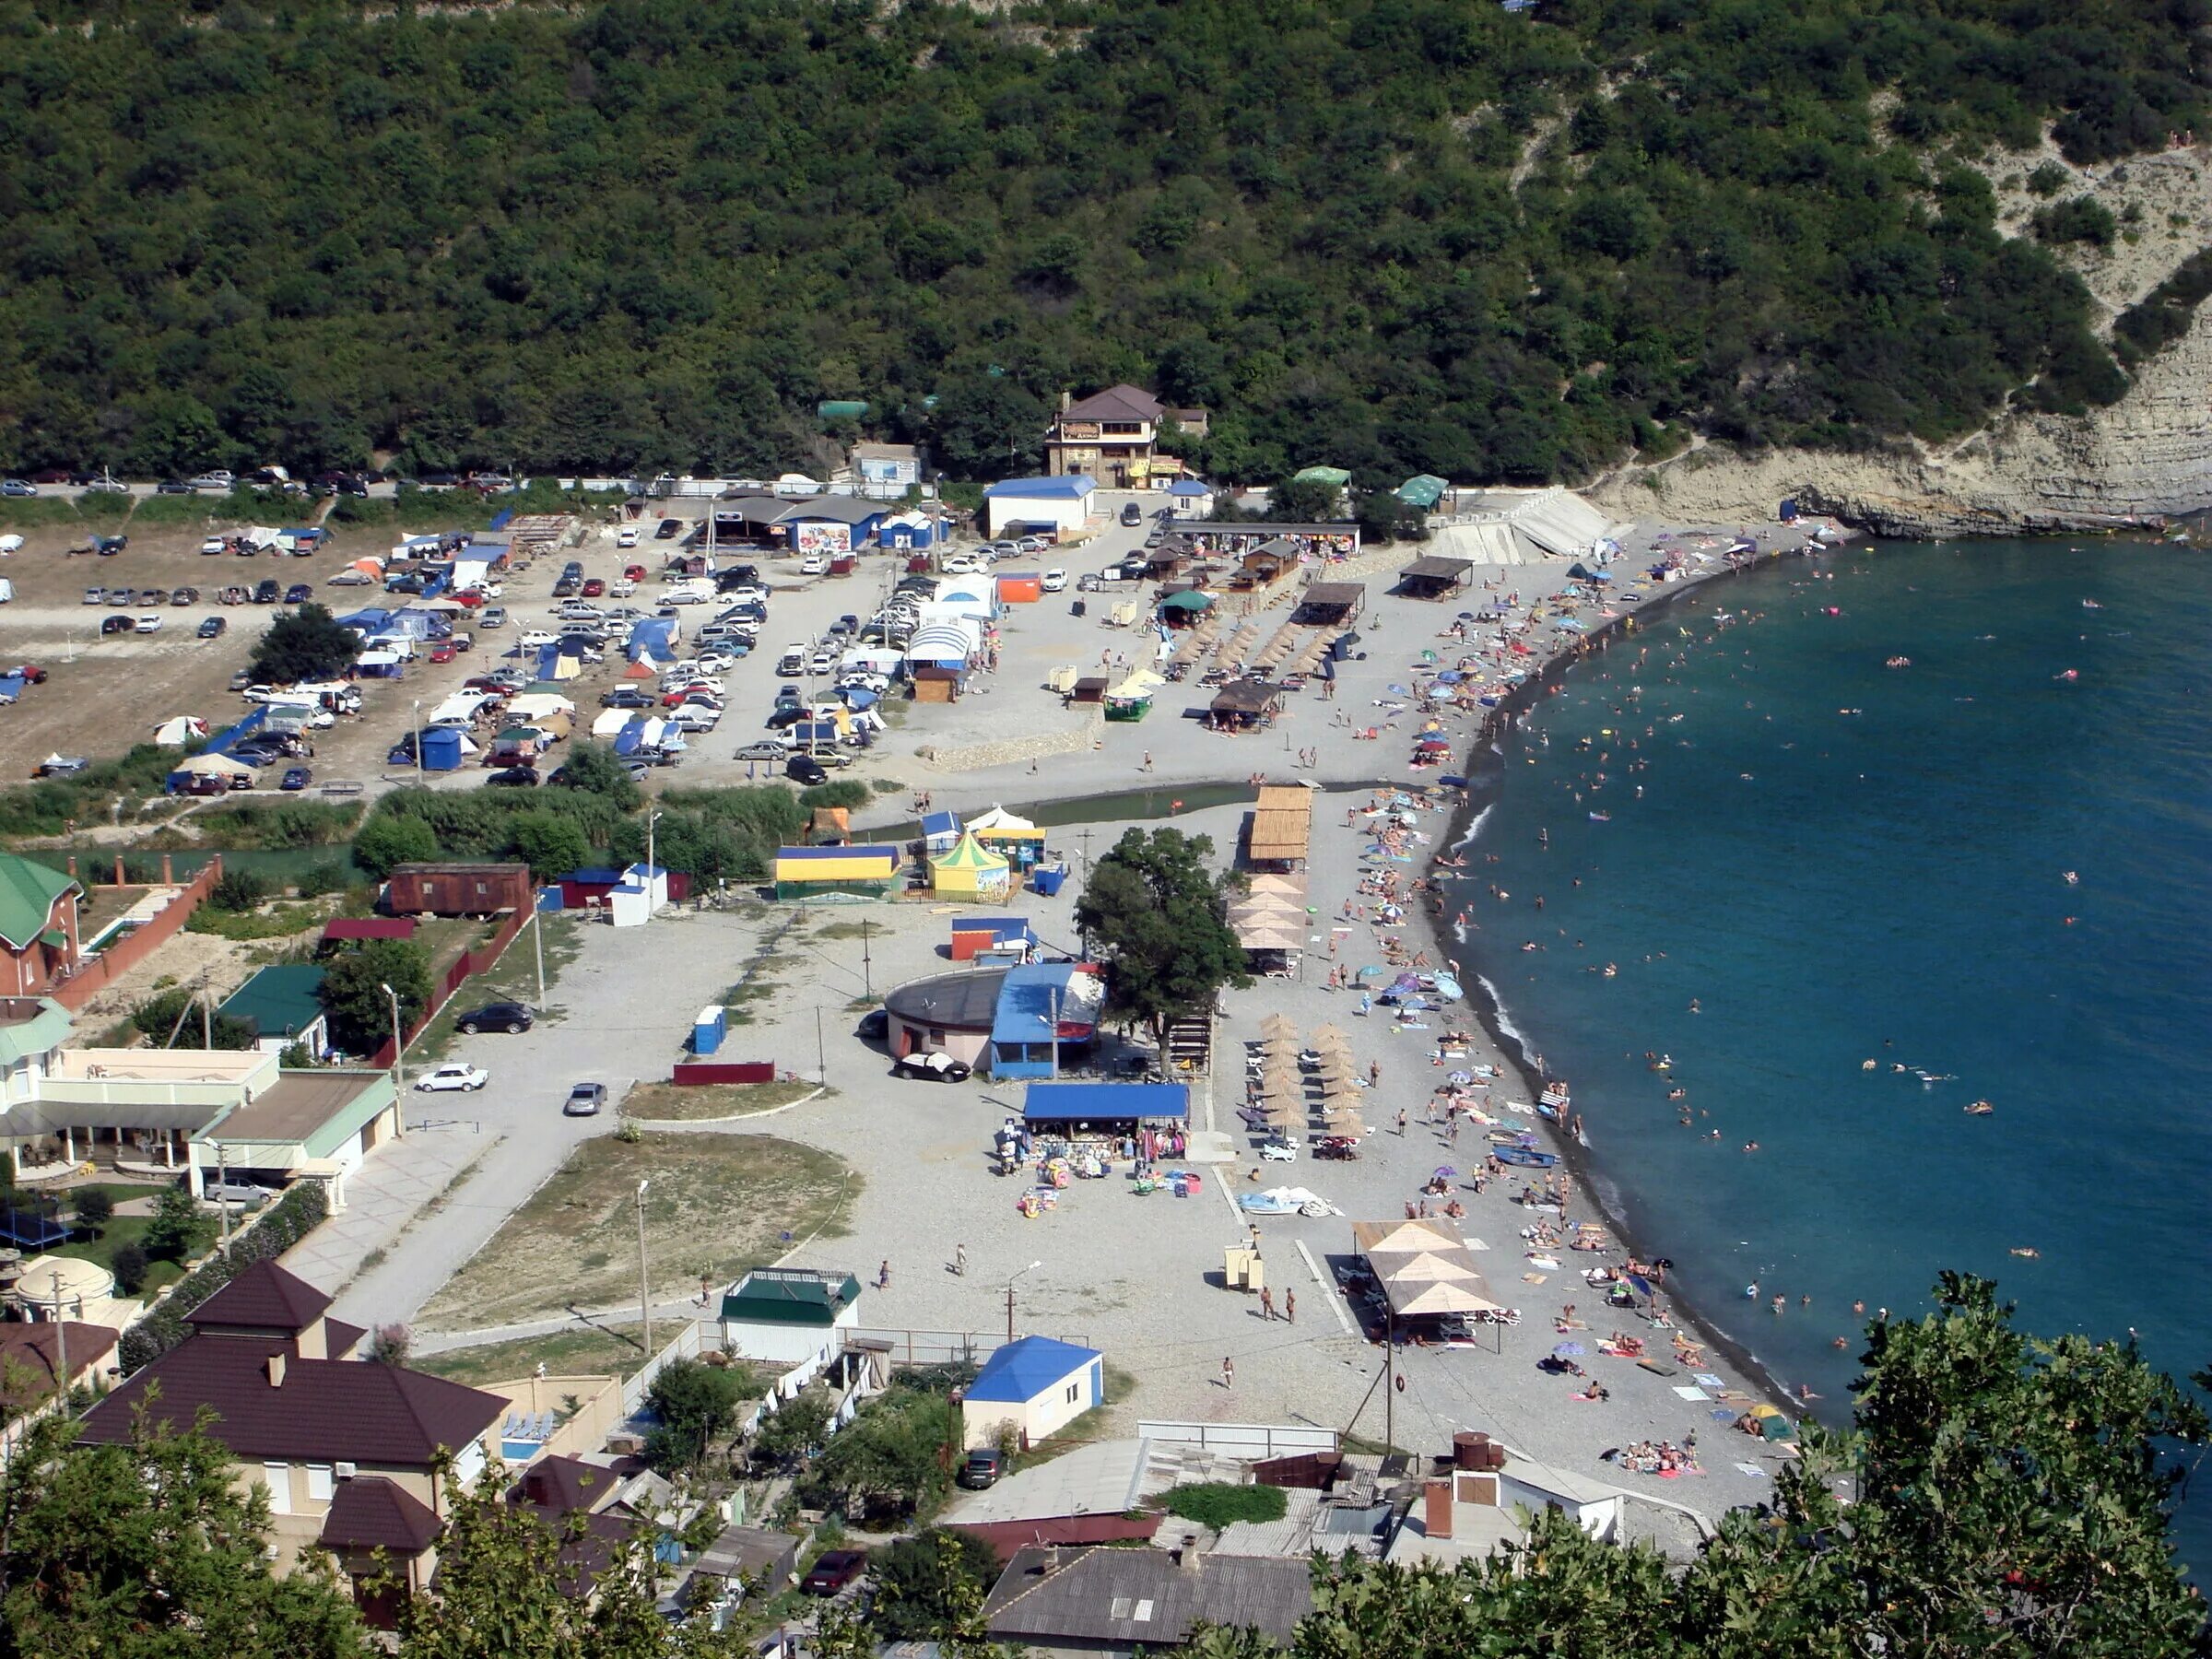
[1289, 1306]
[1267, 1303]
[1228, 1371]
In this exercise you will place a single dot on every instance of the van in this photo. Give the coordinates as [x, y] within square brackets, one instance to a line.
[794, 660]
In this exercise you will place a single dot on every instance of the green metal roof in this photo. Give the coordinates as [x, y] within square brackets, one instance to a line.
[788, 1296]
[1424, 491]
[279, 1002]
[1322, 475]
[45, 1029]
[27, 890]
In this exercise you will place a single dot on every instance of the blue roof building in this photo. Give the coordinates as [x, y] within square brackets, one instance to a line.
[1040, 1004]
[1036, 1385]
[1105, 1105]
[1055, 506]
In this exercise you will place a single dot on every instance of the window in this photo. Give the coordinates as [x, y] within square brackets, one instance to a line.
[320, 1487]
[277, 1477]
[1143, 1611]
[937, 1036]
[1073, 1393]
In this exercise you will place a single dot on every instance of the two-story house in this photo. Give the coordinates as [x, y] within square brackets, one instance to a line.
[348, 1450]
[38, 925]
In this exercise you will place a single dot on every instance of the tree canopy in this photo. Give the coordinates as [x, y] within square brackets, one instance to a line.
[354, 996]
[1157, 917]
[1397, 236]
[305, 644]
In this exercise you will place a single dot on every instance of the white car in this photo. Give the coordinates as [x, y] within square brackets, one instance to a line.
[217, 479]
[814, 564]
[962, 564]
[469, 1077]
[745, 592]
[220, 543]
[627, 537]
[149, 623]
[1054, 582]
[622, 588]
[533, 639]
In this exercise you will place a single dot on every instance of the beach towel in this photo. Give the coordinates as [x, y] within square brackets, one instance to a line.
[1691, 1394]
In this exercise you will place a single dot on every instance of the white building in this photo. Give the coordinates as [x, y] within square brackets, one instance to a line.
[789, 1314]
[1058, 507]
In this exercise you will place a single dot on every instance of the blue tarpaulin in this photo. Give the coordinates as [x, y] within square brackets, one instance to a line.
[1105, 1103]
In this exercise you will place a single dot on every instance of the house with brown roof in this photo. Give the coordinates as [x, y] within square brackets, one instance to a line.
[32, 1359]
[1112, 435]
[347, 1450]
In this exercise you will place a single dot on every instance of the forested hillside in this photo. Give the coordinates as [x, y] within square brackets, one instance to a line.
[656, 233]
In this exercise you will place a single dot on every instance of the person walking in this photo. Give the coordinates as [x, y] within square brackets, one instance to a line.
[960, 1260]
[883, 1275]
[1401, 1121]
[1267, 1302]
[1228, 1371]
[1289, 1306]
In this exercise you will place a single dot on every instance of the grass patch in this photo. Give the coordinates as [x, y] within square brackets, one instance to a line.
[120, 1230]
[590, 1351]
[1216, 1505]
[850, 929]
[513, 978]
[719, 1205]
[251, 825]
[889, 787]
[676, 1101]
[268, 921]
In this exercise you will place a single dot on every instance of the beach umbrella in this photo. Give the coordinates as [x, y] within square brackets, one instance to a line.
[1443, 1173]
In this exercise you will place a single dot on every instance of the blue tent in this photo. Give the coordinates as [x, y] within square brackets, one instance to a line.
[631, 739]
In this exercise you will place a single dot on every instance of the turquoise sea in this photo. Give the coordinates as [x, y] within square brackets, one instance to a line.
[1811, 860]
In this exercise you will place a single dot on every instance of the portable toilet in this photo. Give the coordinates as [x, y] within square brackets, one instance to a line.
[709, 1028]
[442, 748]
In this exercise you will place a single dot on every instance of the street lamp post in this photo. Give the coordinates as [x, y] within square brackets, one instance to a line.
[399, 1061]
[651, 819]
[1010, 1283]
[418, 735]
[644, 1285]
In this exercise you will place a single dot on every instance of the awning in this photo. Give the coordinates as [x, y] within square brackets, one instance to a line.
[1105, 1103]
[1190, 599]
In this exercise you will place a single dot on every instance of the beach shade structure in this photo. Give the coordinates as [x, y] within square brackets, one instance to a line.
[1278, 1025]
[967, 871]
[1187, 603]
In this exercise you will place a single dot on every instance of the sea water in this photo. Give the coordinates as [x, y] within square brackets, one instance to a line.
[1803, 879]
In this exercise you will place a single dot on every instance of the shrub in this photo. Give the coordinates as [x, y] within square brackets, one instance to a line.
[389, 1344]
[1215, 1504]
[2079, 220]
[237, 889]
[130, 1265]
[275, 1230]
[94, 1207]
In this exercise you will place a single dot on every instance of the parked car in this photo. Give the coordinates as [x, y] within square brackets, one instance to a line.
[296, 777]
[152, 596]
[151, 622]
[763, 748]
[217, 479]
[1053, 581]
[172, 487]
[352, 579]
[627, 537]
[17, 487]
[833, 1569]
[806, 769]
[119, 595]
[507, 1016]
[627, 697]
[963, 564]
[240, 680]
[265, 591]
[455, 1074]
[116, 625]
[932, 1063]
[513, 777]
[584, 1100]
[814, 564]
[492, 616]
[212, 628]
[981, 1468]
[443, 652]
[186, 595]
[668, 529]
[1132, 514]
[96, 596]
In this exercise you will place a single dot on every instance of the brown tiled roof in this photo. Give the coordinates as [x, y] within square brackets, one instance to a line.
[1124, 402]
[28, 1358]
[372, 1512]
[562, 1484]
[264, 1298]
[325, 1410]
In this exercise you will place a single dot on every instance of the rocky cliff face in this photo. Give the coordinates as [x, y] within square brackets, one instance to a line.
[2148, 455]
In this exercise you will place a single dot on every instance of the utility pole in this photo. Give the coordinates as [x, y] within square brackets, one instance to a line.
[821, 1054]
[206, 1001]
[1390, 1368]
[1010, 1283]
[537, 938]
[60, 1346]
[651, 819]
[867, 976]
[399, 1065]
[645, 1285]
[1051, 1031]
[222, 1198]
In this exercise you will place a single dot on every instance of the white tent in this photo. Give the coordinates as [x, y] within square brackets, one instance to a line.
[999, 818]
[609, 722]
[534, 704]
[179, 729]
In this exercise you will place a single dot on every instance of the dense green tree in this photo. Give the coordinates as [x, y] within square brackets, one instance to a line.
[176, 1010]
[1304, 501]
[794, 1428]
[304, 644]
[987, 427]
[94, 1207]
[891, 1459]
[931, 1585]
[151, 1550]
[695, 1405]
[176, 1230]
[388, 840]
[354, 996]
[1156, 916]
[594, 767]
[551, 845]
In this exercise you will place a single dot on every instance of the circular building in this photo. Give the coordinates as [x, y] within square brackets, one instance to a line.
[948, 1013]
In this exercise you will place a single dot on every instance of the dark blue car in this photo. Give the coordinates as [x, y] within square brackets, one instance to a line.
[296, 777]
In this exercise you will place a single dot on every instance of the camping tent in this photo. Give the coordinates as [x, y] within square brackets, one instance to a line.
[969, 872]
[179, 729]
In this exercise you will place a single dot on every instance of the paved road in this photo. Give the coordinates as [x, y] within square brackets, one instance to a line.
[628, 998]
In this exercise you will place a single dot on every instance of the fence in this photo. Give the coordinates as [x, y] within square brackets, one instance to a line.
[687, 1346]
[936, 1348]
[733, 1071]
[95, 974]
[472, 963]
[1242, 1440]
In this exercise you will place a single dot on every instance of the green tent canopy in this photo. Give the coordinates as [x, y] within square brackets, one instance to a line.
[1190, 599]
[1423, 490]
[1323, 475]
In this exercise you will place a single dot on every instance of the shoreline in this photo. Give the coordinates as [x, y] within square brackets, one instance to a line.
[1486, 787]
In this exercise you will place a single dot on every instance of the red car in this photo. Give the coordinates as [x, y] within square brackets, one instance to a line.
[468, 597]
[635, 572]
[593, 588]
[443, 652]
